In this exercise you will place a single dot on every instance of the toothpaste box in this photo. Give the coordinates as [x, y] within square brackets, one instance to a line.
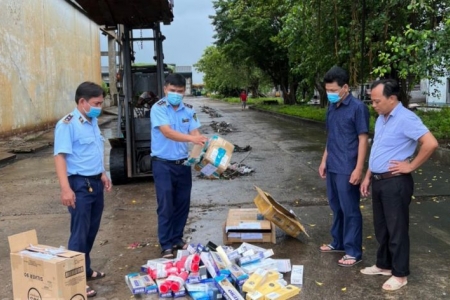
[193, 277]
[209, 263]
[266, 264]
[255, 257]
[163, 295]
[227, 289]
[150, 285]
[180, 293]
[135, 283]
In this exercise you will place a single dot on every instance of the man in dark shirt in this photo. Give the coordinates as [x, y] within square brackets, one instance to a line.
[342, 165]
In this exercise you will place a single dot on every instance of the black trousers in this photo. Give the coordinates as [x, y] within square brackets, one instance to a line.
[391, 198]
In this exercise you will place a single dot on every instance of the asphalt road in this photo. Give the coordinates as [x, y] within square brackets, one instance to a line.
[285, 156]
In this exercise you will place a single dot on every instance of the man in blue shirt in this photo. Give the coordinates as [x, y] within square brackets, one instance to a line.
[397, 133]
[342, 165]
[78, 154]
[173, 125]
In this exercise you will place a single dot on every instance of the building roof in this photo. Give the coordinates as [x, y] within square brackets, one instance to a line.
[135, 14]
[183, 69]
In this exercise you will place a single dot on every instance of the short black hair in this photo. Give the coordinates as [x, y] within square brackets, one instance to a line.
[390, 87]
[338, 75]
[88, 90]
[175, 79]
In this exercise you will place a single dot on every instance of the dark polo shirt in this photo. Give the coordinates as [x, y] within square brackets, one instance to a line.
[344, 124]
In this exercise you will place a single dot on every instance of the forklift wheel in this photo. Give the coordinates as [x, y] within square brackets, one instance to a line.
[118, 166]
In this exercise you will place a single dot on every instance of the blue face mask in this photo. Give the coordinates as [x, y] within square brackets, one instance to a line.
[93, 112]
[333, 97]
[174, 98]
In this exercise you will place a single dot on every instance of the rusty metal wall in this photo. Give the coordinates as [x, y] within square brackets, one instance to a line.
[47, 48]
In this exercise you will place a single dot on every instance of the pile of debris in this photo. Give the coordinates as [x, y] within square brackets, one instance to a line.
[236, 169]
[211, 111]
[222, 127]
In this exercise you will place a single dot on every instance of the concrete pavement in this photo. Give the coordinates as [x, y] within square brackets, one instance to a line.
[286, 157]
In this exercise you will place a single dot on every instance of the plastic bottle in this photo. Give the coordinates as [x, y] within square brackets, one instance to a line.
[162, 271]
[177, 281]
[192, 263]
[165, 286]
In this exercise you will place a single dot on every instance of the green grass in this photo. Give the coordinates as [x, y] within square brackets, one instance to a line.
[438, 122]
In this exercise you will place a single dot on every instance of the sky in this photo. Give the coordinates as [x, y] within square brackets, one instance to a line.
[186, 37]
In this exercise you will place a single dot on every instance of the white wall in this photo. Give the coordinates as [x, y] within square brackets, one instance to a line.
[438, 98]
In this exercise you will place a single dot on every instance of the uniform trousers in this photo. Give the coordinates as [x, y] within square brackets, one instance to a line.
[391, 198]
[173, 183]
[86, 216]
[344, 199]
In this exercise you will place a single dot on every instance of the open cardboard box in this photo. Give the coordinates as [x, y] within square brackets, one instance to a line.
[213, 158]
[278, 214]
[243, 225]
[45, 272]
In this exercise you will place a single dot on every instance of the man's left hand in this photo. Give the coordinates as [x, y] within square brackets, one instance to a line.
[400, 167]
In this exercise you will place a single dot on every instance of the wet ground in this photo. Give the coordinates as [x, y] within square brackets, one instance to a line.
[285, 155]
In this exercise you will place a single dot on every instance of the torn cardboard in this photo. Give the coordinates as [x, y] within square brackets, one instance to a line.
[275, 212]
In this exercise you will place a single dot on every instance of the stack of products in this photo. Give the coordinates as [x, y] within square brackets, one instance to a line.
[218, 272]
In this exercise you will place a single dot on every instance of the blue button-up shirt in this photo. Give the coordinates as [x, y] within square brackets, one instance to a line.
[344, 125]
[183, 120]
[395, 138]
[82, 143]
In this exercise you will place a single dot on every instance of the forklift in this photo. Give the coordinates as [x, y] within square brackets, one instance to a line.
[130, 151]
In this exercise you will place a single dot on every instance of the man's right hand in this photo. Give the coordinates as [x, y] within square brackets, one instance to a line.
[365, 186]
[199, 139]
[68, 197]
[323, 170]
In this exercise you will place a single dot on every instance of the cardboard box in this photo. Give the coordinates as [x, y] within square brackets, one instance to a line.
[45, 272]
[213, 158]
[242, 225]
[275, 212]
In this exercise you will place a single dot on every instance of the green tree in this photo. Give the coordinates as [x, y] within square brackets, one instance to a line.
[246, 32]
[225, 77]
[421, 49]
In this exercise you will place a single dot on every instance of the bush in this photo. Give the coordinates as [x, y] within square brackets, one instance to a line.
[105, 88]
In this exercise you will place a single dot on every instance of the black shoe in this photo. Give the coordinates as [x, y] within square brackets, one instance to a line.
[168, 253]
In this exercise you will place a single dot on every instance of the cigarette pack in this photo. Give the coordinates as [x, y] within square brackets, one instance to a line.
[254, 280]
[297, 275]
[269, 287]
[227, 289]
[237, 274]
[284, 293]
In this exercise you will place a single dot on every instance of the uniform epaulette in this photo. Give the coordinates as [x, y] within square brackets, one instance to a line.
[187, 105]
[67, 118]
[161, 102]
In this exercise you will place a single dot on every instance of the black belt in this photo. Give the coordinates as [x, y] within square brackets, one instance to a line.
[98, 176]
[381, 176]
[177, 162]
